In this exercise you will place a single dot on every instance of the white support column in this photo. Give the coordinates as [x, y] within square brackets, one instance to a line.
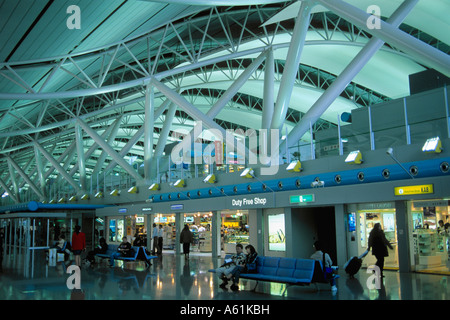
[149, 124]
[268, 102]
[164, 133]
[14, 181]
[40, 170]
[80, 157]
[346, 76]
[291, 65]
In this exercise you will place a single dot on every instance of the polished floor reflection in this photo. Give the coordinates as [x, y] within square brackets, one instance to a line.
[29, 276]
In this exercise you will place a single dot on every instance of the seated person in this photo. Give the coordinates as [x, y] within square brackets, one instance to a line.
[101, 248]
[248, 266]
[61, 246]
[139, 241]
[319, 256]
[123, 250]
[225, 270]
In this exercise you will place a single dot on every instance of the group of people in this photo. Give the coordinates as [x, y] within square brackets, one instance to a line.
[231, 269]
[239, 263]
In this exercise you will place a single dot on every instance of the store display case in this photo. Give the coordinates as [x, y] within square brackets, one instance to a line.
[232, 239]
[425, 248]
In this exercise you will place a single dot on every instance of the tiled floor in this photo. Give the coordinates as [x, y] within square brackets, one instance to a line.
[31, 277]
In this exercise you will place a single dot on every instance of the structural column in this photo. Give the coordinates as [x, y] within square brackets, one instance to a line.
[292, 64]
[215, 234]
[179, 224]
[80, 157]
[339, 220]
[40, 170]
[148, 131]
[401, 217]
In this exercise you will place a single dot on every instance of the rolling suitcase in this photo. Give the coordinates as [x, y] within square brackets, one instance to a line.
[354, 264]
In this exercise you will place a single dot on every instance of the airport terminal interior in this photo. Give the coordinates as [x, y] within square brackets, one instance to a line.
[271, 123]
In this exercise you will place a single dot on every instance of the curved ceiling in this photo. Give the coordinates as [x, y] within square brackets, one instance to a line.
[51, 75]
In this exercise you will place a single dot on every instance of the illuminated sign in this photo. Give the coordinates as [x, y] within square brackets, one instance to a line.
[302, 199]
[176, 207]
[255, 202]
[409, 190]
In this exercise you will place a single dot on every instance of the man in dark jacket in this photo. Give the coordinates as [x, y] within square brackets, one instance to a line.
[123, 250]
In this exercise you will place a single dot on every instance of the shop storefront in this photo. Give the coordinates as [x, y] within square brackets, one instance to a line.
[361, 220]
[167, 221]
[429, 233]
[200, 226]
[235, 229]
[130, 226]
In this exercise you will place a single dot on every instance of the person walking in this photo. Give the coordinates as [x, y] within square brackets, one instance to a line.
[78, 244]
[186, 238]
[379, 244]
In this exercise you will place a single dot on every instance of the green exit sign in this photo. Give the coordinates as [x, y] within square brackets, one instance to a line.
[302, 199]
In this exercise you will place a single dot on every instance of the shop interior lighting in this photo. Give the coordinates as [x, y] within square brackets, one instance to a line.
[294, 166]
[73, 199]
[432, 145]
[210, 178]
[133, 189]
[115, 193]
[154, 187]
[62, 200]
[85, 197]
[52, 201]
[354, 157]
[179, 183]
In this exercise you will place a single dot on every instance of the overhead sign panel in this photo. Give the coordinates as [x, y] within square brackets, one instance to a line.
[410, 190]
[304, 198]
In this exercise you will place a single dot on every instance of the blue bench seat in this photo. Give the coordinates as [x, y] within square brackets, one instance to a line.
[290, 271]
[112, 248]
